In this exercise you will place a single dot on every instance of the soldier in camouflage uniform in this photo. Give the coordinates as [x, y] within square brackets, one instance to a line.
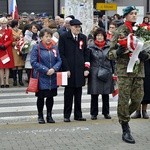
[130, 84]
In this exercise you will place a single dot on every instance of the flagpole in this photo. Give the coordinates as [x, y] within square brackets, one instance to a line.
[7, 7]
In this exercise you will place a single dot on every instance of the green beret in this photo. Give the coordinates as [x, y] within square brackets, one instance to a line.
[128, 9]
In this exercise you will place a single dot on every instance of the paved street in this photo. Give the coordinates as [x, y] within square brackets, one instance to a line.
[19, 129]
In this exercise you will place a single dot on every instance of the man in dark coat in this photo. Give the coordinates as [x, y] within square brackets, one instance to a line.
[75, 60]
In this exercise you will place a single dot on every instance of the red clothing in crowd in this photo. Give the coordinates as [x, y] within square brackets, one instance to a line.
[6, 39]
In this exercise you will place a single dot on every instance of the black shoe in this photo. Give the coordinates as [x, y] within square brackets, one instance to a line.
[41, 119]
[93, 117]
[15, 83]
[80, 119]
[136, 115]
[6, 86]
[50, 119]
[144, 114]
[21, 83]
[107, 116]
[126, 136]
[67, 120]
[2, 86]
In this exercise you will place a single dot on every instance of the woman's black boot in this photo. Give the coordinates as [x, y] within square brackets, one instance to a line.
[20, 77]
[49, 118]
[41, 118]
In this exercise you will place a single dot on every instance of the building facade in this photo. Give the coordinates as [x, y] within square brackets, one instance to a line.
[54, 7]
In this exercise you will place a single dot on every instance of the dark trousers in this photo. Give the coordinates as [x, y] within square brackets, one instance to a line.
[94, 104]
[49, 105]
[69, 94]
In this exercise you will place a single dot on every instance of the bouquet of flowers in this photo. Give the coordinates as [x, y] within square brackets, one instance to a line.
[143, 32]
[25, 48]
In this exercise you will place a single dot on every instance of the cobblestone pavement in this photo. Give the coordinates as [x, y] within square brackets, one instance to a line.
[101, 134]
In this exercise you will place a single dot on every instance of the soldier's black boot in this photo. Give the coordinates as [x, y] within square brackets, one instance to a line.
[126, 136]
[49, 118]
[41, 118]
[136, 115]
[144, 114]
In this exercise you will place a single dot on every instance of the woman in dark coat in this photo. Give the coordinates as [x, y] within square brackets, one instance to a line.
[45, 59]
[98, 52]
[146, 98]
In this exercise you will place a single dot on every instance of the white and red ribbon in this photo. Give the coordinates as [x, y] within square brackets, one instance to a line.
[135, 45]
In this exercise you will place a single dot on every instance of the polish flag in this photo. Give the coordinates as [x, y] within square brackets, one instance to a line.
[5, 59]
[116, 90]
[62, 78]
[12, 9]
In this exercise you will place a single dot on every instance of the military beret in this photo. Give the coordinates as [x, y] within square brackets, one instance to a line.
[128, 9]
[75, 22]
[25, 14]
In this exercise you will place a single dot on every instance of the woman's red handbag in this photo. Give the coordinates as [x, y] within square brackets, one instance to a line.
[33, 85]
[33, 82]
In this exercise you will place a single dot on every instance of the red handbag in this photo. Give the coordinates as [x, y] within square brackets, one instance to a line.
[33, 82]
[33, 85]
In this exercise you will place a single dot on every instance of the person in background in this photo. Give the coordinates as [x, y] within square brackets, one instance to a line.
[129, 98]
[66, 27]
[6, 55]
[18, 61]
[146, 22]
[146, 99]
[32, 37]
[24, 22]
[98, 56]
[75, 60]
[46, 61]
[91, 35]
[111, 30]
[57, 21]
[61, 22]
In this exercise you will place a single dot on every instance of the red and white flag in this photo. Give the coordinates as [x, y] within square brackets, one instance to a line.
[116, 90]
[13, 9]
[62, 78]
[5, 59]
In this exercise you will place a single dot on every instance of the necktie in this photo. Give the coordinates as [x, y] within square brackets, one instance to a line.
[76, 38]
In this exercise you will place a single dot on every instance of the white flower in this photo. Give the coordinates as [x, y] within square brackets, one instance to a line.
[135, 28]
[26, 46]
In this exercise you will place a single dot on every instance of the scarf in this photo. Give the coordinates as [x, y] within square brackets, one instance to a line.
[100, 44]
[48, 47]
[129, 25]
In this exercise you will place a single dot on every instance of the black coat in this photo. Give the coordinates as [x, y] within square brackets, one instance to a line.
[74, 54]
[146, 98]
[99, 56]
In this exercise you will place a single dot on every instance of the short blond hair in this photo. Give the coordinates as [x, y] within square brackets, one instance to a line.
[3, 20]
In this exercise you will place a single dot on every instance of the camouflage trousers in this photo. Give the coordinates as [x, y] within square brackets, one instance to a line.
[130, 96]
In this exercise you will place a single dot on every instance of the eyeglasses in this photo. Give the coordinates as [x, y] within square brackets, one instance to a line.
[111, 27]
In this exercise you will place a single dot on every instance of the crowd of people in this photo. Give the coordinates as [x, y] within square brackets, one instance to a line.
[44, 46]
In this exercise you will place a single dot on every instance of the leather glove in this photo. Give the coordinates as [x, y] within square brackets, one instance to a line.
[120, 50]
[143, 56]
[2, 47]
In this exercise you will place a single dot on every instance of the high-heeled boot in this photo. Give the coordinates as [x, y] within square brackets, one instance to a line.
[20, 77]
[14, 72]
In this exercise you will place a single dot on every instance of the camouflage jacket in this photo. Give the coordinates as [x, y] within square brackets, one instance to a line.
[122, 62]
